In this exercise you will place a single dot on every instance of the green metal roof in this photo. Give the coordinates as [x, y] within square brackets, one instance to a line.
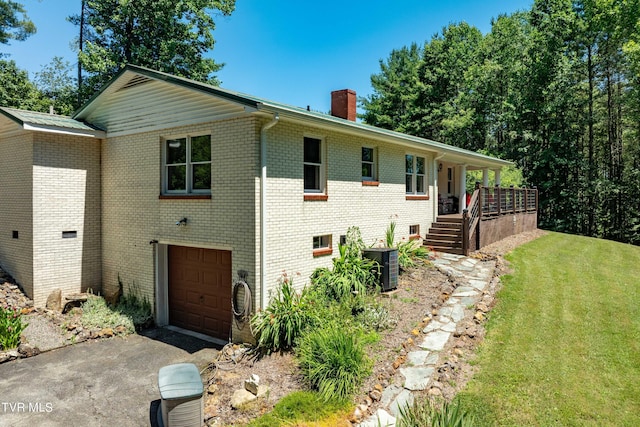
[44, 120]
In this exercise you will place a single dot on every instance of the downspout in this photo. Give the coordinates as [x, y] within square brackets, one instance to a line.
[263, 208]
[435, 185]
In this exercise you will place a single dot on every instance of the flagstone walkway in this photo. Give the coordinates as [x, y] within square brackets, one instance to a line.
[473, 277]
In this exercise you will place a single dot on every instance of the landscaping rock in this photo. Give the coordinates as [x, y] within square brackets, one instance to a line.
[263, 390]
[241, 397]
[251, 385]
[27, 350]
[381, 418]
[54, 301]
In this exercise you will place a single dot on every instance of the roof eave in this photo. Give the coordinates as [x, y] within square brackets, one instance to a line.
[91, 133]
[447, 152]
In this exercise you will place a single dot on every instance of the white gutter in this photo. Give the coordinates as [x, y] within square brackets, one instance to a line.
[263, 209]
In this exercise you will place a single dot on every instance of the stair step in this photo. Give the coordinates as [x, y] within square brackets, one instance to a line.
[452, 219]
[451, 225]
[445, 231]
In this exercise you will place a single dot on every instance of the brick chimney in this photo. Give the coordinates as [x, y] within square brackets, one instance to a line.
[343, 104]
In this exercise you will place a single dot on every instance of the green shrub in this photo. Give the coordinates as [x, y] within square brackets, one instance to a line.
[374, 316]
[97, 314]
[333, 361]
[11, 327]
[135, 307]
[423, 413]
[299, 407]
[278, 326]
[408, 251]
[351, 273]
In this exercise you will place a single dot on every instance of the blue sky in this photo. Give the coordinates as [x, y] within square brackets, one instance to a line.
[290, 51]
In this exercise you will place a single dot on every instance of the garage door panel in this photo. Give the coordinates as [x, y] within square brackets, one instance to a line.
[200, 284]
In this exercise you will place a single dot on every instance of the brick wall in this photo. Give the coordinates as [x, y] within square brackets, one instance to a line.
[292, 222]
[133, 215]
[16, 256]
[66, 198]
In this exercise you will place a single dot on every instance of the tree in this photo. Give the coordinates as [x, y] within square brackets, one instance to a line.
[396, 89]
[165, 35]
[14, 23]
[555, 89]
[55, 82]
[16, 91]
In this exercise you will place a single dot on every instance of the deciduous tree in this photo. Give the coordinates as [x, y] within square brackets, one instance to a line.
[166, 35]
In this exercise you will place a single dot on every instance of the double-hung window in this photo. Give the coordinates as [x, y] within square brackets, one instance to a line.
[415, 168]
[313, 168]
[187, 165]
[369, 164]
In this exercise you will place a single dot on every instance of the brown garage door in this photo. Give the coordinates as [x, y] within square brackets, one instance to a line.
[200, 290]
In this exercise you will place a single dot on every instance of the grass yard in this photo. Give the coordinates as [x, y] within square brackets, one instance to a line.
[563, 342]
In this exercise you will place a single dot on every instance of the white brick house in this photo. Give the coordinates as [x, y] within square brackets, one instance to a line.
[176, 186]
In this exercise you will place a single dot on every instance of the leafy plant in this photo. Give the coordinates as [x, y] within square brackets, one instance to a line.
[302, 406]
[374, 316]
[408, 251]
[424, 413]
[351, 273]
[134, 306]
[280, 324]
[11, 327]
[333, 361]
[97, 314]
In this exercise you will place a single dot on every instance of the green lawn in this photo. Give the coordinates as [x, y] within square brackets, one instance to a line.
[563, 343]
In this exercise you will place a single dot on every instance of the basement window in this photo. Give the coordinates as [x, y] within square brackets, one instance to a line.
[69, 234]
[15, 234]
[322, 245]
[414, 232]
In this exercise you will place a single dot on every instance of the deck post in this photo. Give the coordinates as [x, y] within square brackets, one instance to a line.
[465, 232]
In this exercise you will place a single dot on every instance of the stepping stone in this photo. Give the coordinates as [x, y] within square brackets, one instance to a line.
[463, 289]
[472, 293]
[469, 262]
[442, 324]
[380, 418]
[422, 358]
[416, 378]
[467, 301]
[404, 399]
[478, 284]
[389, 393]
[441, 262]
[455, 312]
[445, 269]
[435, 340]
[417, 358]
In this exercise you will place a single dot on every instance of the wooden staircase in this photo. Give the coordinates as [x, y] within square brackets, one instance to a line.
[445, 235]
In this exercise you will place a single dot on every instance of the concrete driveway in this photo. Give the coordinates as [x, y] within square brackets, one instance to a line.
[110, 382]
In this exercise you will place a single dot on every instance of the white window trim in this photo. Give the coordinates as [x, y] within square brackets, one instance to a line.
[415, 174]
[321, 165]
[188, 165]
[373, 163]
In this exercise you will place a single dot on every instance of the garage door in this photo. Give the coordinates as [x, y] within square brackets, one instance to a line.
[200, 290]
